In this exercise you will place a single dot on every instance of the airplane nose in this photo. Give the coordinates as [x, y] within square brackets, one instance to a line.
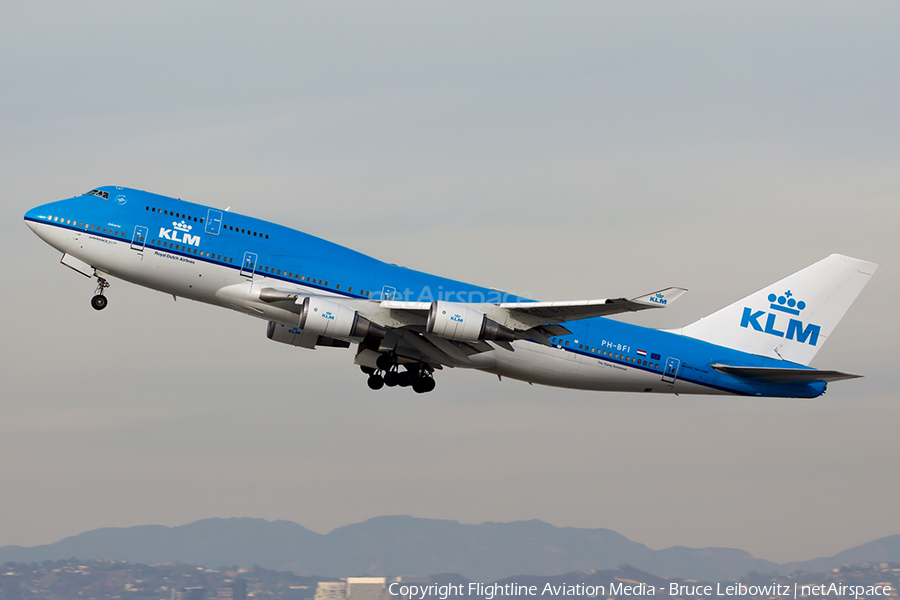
[29, 219]
[32, 217]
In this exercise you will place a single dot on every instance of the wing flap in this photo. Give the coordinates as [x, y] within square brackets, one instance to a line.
[781, 375]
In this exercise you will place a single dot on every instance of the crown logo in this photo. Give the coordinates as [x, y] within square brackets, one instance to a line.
[786, 303]
[181, 226]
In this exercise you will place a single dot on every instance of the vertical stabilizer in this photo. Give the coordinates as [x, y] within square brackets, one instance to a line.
[792, 318]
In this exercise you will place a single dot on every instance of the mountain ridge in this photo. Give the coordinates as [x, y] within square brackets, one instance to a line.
[405, 545]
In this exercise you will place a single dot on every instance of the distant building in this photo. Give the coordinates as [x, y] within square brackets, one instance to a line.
[366, 588]
[189, 593]
[239, 589]
[225, 593]
[331, 590]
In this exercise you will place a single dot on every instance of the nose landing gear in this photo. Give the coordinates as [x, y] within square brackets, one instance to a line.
[99, 301]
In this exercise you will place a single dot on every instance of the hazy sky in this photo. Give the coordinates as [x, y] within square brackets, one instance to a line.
[567, 150]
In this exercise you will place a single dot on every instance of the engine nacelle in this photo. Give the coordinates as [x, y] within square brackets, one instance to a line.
[295, 336]
[461, 323]
[330, 319]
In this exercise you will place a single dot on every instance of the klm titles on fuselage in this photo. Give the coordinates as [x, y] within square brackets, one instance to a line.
[784, 304]
[185, 236]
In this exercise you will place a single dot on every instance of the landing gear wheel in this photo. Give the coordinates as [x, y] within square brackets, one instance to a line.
[407, 379]
[423, 385]
[367, 370]
[385, 362]
[99, 302]
[391, 378]
[375, 382]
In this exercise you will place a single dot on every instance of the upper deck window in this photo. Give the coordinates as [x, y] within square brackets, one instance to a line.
[102, 194]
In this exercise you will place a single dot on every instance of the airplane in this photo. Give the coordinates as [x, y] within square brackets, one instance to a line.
[406, 324]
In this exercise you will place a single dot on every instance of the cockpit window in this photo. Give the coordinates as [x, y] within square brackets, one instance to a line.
[104, 195]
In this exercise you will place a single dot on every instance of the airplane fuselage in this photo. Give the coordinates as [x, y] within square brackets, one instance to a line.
[227, 259]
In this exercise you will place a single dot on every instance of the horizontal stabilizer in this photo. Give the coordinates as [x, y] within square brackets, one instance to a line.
[780, 375]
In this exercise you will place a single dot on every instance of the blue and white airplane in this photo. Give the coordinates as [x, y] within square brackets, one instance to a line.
[406, 324]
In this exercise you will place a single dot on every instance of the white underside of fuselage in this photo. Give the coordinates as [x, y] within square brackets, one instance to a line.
[197, 279]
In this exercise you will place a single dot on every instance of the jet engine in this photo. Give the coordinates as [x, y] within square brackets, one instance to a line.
[330, 319]
[297, 337]
[461, 323]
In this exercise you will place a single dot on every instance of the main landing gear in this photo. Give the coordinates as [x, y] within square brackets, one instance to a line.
[417, 375]
[99, 301]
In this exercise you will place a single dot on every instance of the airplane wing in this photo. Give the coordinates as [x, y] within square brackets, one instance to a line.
[780, 375]
[406, 323]
[524, 314]
[571, 310]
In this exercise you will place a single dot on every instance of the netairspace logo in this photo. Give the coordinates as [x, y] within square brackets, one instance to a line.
[784, 304]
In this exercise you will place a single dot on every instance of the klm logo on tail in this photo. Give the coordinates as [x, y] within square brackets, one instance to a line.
[769, 322]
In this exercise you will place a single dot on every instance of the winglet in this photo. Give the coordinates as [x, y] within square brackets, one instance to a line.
[660, 299]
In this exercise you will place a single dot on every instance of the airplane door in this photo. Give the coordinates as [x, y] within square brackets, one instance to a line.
[388, 293]
[671, 372]
[139, 239]
[213, 221]
[249, 264]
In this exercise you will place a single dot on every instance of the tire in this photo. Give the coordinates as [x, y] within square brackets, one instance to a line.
[391, 378]
[367, 370]
[407, 378]
[423, 385]
[99, 302]
[375, 382]
[385, 362]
